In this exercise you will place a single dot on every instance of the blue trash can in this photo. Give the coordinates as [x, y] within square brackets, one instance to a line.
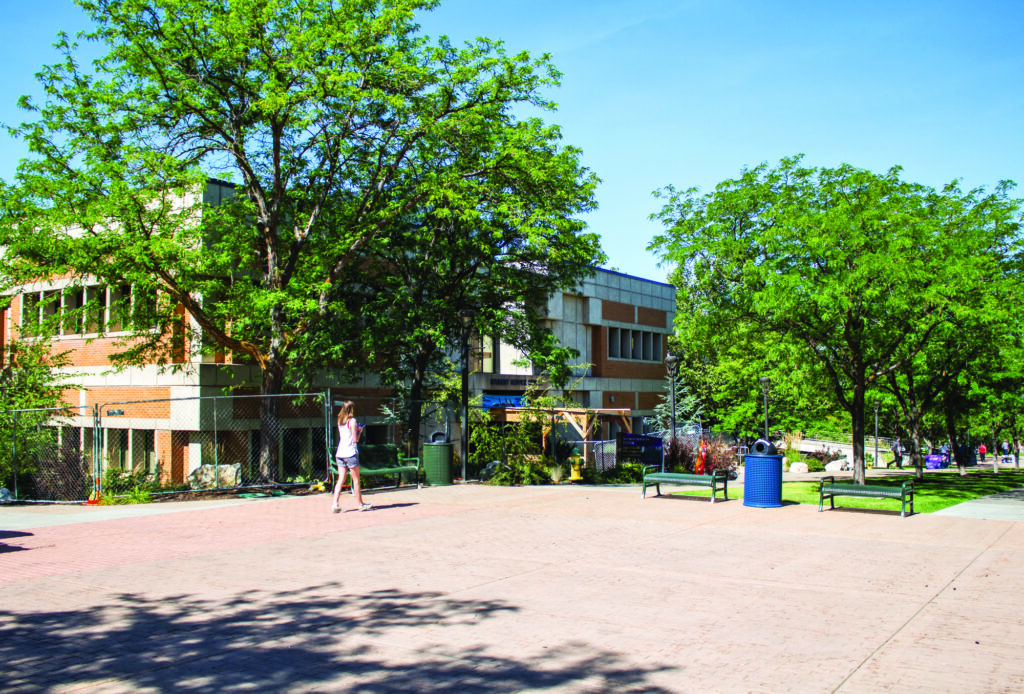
[762, 476]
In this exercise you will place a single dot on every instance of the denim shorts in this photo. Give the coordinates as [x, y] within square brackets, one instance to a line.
[350, 463]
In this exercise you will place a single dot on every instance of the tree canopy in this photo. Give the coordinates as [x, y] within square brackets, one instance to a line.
[856, 273]
[337, 123]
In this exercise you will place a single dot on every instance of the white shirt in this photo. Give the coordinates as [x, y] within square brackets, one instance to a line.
[346, 439]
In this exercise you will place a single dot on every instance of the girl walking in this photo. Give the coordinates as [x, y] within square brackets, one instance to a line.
[347, 456]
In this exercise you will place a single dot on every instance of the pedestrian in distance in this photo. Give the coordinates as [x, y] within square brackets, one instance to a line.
[982, 451]
[897, 453]
[347, 456]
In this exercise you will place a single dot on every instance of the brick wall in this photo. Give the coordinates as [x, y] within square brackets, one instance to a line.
[614, 310]
[648, 401]
[651, 317]
[624, 399]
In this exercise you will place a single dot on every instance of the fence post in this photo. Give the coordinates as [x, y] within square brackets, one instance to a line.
[216, 452]
[96, 434]
[14, 453]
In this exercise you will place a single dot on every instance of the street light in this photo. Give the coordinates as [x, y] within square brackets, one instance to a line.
[765, 382]
[466, 315]
[877, 405]
[672, 364]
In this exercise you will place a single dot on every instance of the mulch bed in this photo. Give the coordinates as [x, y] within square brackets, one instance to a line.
[214, 494]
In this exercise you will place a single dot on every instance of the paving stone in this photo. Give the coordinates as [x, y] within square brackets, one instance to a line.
[475, 588]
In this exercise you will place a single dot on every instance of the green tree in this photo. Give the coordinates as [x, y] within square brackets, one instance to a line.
[31, 381]
[500, 249]
[845, 268]
[334, 120]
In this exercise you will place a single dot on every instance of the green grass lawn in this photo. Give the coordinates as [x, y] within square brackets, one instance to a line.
[938, 490]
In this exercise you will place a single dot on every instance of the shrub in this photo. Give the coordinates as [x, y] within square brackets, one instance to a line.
[720, 456]
[680, 455]
[523, 470]
[626, 472]
[118, 482]
[824, 457]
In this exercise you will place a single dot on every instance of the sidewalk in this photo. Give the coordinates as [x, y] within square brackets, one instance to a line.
[482, 589]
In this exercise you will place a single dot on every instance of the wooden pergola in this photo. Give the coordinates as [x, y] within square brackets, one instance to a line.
[583, 421]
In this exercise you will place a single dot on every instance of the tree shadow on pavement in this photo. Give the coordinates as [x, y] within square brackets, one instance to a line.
[7, 535]
[316, 639]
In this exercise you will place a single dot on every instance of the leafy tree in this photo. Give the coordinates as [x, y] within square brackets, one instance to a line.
[334, 120]
[500, 248]
[842, 267]
[30, 380]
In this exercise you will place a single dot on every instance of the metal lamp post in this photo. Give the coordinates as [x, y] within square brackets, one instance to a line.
[672, 364]
[765, 382]
[466, 315]
[877, 405]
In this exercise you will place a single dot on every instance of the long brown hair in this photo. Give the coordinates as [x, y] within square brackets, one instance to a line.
[345, 413]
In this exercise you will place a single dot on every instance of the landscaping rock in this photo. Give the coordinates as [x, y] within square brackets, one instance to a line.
[798, 467]
[5, 496]
[205, 476]
[835, 466]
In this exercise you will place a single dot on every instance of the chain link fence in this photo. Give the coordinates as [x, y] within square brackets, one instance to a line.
[49, 454]
[228, 442]
[165, 445]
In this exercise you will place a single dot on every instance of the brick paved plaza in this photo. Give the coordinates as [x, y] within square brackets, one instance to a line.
[480, 589]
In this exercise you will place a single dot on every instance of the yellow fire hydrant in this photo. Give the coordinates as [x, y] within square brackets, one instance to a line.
[576, 474]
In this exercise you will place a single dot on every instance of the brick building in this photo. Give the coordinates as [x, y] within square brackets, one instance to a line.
[155, 420]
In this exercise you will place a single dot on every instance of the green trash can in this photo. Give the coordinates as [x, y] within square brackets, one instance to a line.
[437, 463]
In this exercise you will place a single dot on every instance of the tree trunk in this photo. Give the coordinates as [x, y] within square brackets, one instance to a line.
[914, 429]
[419, 376]
[961, 456]
[859, 476]
[270, 420]
[1015, 435]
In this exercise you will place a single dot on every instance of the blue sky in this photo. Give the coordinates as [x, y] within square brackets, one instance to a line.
[688, 92]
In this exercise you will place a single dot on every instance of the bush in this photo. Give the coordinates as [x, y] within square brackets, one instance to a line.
[625, 472]
[720, 456]
[817, 460]
[119, 482]
[680, 455]
[523, 470]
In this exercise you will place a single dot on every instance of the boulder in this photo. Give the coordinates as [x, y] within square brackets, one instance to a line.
[835, 466]
[798, 467]
[205, 476]
[5, 496]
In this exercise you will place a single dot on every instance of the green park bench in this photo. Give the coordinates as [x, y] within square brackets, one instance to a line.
[383, 460]
[719, 479]
[829, 489]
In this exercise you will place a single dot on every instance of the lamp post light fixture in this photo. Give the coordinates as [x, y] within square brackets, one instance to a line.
[672, 364]
[466, 316]
[765, 382]
[877, 405]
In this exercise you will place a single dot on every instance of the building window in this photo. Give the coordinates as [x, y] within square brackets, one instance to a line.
[637, 345]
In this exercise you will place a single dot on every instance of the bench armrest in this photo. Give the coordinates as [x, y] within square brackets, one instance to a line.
[830, 479]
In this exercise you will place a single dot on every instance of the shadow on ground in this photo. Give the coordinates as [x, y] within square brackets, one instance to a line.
[7, 535]
[313, 639]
